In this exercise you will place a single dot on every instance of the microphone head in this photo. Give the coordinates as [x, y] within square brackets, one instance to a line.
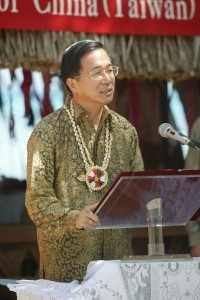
[162, 129]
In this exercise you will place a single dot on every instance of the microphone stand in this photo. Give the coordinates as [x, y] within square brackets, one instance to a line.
[192, 143]
[197, 144]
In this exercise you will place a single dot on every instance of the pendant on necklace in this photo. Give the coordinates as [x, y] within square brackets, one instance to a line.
[96, 178]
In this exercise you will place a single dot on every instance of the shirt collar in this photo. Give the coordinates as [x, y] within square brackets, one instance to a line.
[80, 111]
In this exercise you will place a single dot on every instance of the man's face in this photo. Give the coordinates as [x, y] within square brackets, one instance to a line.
[95, 87]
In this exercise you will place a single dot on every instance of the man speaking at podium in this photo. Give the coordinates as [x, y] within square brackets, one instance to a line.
[74, 155]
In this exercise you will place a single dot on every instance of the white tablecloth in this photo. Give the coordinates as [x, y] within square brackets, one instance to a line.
[122, 280]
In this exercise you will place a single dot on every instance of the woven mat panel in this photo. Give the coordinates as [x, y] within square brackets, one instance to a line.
[163, 57]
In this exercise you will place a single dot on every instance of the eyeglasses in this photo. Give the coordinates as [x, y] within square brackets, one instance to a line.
[99, 73]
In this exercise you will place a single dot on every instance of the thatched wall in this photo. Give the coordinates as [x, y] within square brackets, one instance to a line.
[137, 56]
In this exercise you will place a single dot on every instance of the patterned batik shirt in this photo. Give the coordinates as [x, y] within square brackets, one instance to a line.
[55, 195]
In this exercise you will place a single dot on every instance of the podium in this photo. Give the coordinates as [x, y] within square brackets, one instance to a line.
[151, 199]
[125, 203]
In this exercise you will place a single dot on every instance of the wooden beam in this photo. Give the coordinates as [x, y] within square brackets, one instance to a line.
[17, 233]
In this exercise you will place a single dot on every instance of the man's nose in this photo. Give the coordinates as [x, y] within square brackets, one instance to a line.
[105, 76]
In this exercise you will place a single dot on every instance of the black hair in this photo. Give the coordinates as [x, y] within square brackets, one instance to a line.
[70, 63]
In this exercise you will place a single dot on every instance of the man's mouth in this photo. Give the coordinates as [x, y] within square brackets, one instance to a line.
[107, 91]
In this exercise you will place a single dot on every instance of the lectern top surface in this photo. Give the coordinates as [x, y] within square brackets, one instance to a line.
[124, 205]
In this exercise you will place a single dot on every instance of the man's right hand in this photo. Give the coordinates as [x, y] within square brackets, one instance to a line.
[87, 219]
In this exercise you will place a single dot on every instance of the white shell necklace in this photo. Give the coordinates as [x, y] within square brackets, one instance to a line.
[96, 177]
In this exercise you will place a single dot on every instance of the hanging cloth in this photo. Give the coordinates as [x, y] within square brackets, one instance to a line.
[46, 107]
[26, 86]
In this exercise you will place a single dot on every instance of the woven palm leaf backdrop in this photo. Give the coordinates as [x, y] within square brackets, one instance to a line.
[173, 57]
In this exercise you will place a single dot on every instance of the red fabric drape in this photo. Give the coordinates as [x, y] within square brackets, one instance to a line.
[26, 85]
[46, 107]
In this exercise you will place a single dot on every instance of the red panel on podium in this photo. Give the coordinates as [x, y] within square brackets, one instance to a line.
[124, 205]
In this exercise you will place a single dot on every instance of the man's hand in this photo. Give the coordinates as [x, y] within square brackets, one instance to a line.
[87, 219]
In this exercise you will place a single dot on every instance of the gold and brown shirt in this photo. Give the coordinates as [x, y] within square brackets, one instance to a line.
[55, 195]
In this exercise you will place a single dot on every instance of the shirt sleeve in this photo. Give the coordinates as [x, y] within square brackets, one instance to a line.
[44, 208]
[137, 163]
[193, 158]
[193, 162]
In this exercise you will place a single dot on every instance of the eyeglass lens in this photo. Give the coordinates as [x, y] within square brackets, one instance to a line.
[110, 71]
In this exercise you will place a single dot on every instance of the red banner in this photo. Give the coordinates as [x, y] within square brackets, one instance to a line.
[138, 17]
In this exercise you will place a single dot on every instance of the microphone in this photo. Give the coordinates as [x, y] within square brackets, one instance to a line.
[167, 131]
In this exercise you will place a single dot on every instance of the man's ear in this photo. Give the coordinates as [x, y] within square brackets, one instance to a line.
[71, 83]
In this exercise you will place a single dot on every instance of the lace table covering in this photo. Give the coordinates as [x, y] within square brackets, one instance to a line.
[121, 280]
